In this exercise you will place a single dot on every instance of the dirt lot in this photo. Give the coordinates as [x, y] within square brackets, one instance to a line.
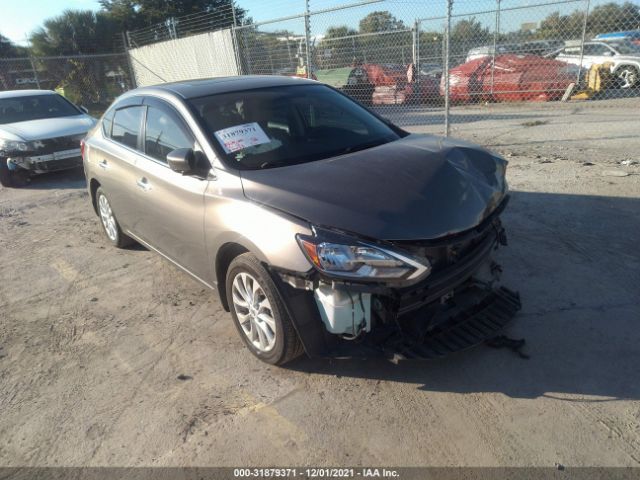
[93, 340]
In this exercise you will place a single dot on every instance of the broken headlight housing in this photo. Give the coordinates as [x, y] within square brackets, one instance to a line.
[13, 146]
[338, 255]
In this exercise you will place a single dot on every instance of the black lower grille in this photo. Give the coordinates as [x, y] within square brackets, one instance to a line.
[52, 165]
[464, 330]
[58, 144]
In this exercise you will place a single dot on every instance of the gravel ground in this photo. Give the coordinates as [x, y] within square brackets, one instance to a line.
[115, 358]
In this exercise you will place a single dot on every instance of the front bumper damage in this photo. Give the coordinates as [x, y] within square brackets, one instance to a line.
[47, 155]
[460, 305]
[39, 163]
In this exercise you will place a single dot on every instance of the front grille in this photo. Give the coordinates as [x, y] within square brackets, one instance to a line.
[444, 279]
[58, 144]
[53, 165]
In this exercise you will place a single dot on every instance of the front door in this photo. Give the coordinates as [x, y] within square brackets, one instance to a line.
[171, 214]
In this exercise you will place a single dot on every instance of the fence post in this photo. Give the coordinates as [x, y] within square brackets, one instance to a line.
[496, 32]
[447, 38]
[307, 37]
[584, 34]
[132, 74]
[416, 44]
[35, 72]
[234, 41]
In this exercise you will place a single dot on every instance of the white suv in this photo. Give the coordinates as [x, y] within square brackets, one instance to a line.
[624, 55]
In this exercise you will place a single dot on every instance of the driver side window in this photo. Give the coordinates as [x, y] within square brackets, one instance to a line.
[164, 133]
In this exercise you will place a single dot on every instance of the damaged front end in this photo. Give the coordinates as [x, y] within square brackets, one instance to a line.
[411, 299]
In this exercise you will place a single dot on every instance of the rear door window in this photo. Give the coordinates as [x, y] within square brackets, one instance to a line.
[126, 126]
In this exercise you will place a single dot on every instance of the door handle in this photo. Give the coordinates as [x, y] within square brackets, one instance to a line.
[103, 164]
[144, 184]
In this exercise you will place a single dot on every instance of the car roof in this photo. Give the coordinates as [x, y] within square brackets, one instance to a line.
[211, 86]
[628, 33]
[24, 93]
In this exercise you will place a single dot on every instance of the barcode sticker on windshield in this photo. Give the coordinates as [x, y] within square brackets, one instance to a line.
[239, 137]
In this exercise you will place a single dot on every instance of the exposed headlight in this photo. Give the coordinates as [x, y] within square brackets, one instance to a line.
[344, 257]
[13, 146]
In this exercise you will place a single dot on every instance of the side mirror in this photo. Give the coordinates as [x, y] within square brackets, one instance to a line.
[84, 109]
[181, 160]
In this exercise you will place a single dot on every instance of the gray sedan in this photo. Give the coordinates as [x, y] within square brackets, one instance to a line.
[323, 227]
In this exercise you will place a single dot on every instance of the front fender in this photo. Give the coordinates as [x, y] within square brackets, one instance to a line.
[269, 235]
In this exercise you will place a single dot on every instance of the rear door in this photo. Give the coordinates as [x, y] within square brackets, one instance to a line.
[171, 214]
[115, 157]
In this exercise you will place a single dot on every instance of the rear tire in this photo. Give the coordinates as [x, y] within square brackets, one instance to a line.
[259, 313]
[109, 223]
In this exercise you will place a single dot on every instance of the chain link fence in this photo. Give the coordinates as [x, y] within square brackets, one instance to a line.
[444, 63]
[93, 81]
[441, 64]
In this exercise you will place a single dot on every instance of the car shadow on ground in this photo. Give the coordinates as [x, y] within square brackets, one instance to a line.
[63, 179]
[575, 261]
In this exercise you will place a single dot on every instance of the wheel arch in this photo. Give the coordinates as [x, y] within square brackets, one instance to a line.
[93, 188]
[635, 66]
[225, 256]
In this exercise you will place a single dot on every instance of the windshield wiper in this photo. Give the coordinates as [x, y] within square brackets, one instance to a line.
[363, 146]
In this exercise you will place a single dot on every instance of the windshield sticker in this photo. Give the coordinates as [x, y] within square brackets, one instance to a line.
[240, 137]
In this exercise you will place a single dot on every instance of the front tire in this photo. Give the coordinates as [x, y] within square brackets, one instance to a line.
[259, 313]
[109, 223]
[6, 176]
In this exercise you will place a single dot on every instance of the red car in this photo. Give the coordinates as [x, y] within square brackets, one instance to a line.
[515, 78]
[398, 84]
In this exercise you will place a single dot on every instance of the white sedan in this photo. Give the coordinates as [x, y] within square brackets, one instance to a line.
[40, 131]
[623, 55]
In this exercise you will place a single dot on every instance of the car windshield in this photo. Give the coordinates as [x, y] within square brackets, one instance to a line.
[35, 107]
[280, 126]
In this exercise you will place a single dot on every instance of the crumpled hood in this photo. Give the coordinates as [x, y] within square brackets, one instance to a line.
[416, 188]
[47, 128]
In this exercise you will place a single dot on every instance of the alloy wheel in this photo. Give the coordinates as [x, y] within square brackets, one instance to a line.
[629, 77]
[107, 218]
[254, 312]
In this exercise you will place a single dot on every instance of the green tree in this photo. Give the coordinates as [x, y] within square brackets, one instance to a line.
[381, 21]
[75, 32]
[467, 34]
[78, 34]
[8, 49]
[609, 17]
[561, 27]
[135, 14]
[612, 17]
[340, 47]
[393, 42]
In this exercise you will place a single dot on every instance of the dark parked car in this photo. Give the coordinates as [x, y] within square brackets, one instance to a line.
[40, 131]
[315, 220]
